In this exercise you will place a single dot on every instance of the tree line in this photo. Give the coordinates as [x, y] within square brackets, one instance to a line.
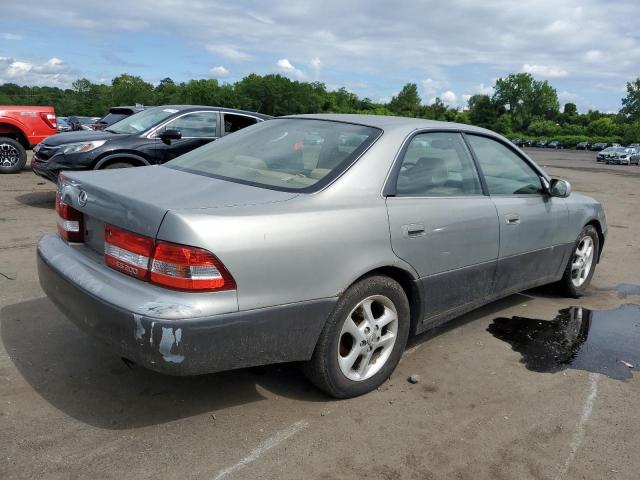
[520, 105]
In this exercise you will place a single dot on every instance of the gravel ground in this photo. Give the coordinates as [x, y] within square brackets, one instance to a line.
[69, 409]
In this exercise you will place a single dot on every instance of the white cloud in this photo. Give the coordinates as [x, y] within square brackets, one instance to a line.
[449, 98]
[229, 52]
[11, 36]
[593, 56]
[285, 66]
[483, 89]
[218, 72]
[52, 72]
[431, 86]
[544, 71]
[316, 65]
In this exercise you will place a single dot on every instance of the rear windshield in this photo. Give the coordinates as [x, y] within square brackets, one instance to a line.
[290, 154]
[112, 118]
[142, 121]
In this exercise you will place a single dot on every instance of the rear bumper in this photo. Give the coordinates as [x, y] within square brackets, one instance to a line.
[180, 345]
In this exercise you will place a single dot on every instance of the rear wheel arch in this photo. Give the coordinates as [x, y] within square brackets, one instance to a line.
[407, 281]
[11, 131]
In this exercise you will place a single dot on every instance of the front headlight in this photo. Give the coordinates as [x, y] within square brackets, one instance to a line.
[81, 147]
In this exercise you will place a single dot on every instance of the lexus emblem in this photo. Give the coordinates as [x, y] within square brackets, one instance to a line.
[82, 198]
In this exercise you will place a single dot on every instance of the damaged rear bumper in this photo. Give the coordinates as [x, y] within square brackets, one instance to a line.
[181, 345]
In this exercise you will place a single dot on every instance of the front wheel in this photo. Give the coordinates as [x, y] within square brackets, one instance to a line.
[13, 156]
[582, 263]
[363, 339]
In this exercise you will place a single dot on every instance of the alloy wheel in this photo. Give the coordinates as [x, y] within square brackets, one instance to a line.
[9, 155]
[367, 338]
[582, 261]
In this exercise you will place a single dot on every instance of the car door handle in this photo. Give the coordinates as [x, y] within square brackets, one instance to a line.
[512, 219]
[413, 229]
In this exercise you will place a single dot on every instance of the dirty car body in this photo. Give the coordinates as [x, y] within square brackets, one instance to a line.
[293, 223]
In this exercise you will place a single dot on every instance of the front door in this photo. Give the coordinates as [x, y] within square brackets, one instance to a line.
[531, 221]
[197, 129]
[441, 222]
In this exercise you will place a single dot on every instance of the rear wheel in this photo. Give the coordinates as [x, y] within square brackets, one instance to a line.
[13, 156]
[363, 339]
[582, 263]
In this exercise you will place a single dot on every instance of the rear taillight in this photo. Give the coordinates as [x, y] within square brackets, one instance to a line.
[127, 252]
[166, 264]
[69, 222]
[49, 119]
[188, 268]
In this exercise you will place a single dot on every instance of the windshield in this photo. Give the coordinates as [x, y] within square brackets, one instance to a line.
[284, 154]
[142, 121]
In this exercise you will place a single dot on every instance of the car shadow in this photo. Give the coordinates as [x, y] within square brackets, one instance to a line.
[81, 378]
[40, 199]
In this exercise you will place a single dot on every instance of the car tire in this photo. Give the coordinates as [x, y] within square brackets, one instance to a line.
[357, 336]
[577, 276]
[13, 156]
[117, 165]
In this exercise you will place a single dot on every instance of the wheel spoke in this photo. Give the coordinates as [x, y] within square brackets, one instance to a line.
[364, 363]
[351, 328]
[346, 363]
[386, 341]
[387, 317]
[368, 313]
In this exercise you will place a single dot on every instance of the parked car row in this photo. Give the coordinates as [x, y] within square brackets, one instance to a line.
[619, 156]
[537, 143]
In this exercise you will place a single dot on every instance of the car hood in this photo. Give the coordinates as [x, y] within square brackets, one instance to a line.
[79, 136]
[138, 198]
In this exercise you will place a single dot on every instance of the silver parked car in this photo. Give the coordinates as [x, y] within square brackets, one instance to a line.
[327, 239]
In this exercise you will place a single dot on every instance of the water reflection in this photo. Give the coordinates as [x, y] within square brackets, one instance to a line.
[602, 341]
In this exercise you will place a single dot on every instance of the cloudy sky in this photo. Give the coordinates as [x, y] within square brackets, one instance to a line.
[588, 49]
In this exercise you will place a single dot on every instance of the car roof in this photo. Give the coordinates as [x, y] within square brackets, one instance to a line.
[387, 122]
[184, 108]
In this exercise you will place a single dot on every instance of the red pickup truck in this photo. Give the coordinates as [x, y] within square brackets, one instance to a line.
[20, 129]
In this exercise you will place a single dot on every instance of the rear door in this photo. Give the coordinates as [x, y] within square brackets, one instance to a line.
[531, 221]
[197, 129]
[441, 222]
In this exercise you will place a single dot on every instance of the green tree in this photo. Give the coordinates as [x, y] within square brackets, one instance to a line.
[482, 111]
[407, 103]
[603, 127]
[570, 109]
[129, 90]
[526, 98]
[631, 103]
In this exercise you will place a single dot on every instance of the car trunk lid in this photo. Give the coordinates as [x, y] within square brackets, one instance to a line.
[137, 199]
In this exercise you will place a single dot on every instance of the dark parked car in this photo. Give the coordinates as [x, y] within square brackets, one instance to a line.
[153, 136]
[541, 143]
[554, 144]
[635, 158]
[517, 142]
[80, 123]
[115, 115]
[529, 143]
[597, 147]
[63, 125]
[583, 146]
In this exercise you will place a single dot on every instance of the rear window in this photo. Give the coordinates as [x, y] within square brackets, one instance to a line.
[112, 118]
[283, 154]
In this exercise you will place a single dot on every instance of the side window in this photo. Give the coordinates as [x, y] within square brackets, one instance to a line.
[504, 171]
[437, 164]
[233, 123]
[195, 125]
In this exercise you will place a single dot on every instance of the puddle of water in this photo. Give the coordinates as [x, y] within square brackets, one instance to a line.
[600, 341]
[625, 289]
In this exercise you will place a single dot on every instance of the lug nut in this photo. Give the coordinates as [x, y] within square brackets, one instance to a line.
[367, 330]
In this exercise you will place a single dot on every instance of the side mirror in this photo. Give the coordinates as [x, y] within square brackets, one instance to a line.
[170, 134]
[559, 188]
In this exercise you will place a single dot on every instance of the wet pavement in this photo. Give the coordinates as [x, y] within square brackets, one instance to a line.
[599, 341]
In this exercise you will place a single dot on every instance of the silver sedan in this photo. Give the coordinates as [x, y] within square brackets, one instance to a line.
[324, 239]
